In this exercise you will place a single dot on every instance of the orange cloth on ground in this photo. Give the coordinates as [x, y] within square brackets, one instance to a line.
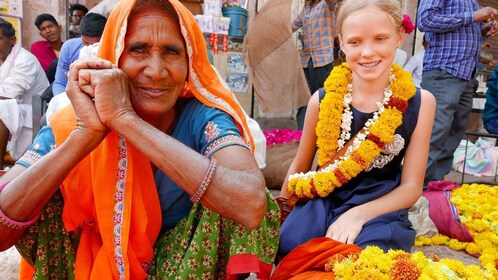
[308, 260]
[111, 193]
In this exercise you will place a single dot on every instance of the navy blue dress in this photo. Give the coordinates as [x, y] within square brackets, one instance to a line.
[390, 231]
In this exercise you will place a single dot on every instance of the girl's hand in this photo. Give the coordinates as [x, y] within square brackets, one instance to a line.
[346, 228]
[110, 90]
[88, 120]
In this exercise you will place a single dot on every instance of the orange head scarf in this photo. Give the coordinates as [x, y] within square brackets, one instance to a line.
[111, 194]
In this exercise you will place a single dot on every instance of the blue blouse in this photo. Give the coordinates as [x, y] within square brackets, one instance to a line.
[201, 128]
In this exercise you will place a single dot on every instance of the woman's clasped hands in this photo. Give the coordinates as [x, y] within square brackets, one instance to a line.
[99, 93]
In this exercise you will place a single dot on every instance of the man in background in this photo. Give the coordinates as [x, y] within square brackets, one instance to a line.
[48, 49]
[317, 57]
[455, 31]
[76, 12]
[21, 76]
[92, 27]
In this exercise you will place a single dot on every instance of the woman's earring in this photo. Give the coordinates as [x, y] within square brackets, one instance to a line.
[185, 92]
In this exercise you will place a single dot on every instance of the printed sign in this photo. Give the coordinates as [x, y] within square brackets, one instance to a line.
[11, 8]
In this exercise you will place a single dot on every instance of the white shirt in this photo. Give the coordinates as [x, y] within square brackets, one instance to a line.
[400, 57]
[414, 66]
[21, 76]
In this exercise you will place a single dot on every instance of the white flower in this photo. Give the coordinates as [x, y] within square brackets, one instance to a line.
[395, 146]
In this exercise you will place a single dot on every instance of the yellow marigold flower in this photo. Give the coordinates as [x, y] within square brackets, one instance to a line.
[291, 186]
[351, 167]
[299, 188]
[473, 249]
[422, 240]
[440, 239]
[369, 150]
[323, 184]
[455, 244]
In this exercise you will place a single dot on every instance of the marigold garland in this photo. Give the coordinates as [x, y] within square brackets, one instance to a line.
[477, 210]
[379, 132]
[373, 263]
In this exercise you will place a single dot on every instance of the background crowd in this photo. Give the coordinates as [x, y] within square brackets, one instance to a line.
[209, 192]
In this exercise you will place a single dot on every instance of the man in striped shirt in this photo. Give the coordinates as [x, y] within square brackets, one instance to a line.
[317, 57]
[455, 31]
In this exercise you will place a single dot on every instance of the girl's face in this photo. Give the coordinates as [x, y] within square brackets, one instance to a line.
[369, 39]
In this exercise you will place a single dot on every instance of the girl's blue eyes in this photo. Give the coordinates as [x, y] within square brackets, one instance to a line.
[379, 39]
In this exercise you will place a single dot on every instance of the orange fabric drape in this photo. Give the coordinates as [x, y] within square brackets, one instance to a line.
[111, 193]
[308, 260]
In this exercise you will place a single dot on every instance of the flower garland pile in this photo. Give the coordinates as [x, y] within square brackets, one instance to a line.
[374, 263]
[281, 136]
[333, 132]
[477, 210]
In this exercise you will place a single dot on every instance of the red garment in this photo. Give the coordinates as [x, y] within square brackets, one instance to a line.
[44, 53]
[443, 213]
[308, 260]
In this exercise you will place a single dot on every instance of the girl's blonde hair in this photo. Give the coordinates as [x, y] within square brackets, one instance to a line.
[348, 7]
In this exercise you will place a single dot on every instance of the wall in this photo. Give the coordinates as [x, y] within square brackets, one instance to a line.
[31, 9]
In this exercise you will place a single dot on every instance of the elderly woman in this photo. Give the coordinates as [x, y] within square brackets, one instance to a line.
[153, 161]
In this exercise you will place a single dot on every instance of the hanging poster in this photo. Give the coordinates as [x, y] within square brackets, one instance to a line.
[11, 8]
[237, 74]
[16, 23]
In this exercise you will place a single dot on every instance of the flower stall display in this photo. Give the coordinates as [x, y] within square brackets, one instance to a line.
[477, 211]
[373, 263]
[281, 136]
[282, 145]
[325, 258]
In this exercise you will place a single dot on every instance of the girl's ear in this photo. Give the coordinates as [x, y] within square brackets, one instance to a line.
[401, 37]
[341, 44]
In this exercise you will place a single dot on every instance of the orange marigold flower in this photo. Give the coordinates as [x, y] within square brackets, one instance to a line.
[404, 269]
[329, 266]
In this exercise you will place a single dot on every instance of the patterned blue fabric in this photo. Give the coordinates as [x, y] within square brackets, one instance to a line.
[43, 143]
[69, 53]
[392, 230]
[203, 129]
[454, 38]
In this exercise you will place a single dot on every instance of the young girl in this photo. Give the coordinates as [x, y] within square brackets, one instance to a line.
[369, 110]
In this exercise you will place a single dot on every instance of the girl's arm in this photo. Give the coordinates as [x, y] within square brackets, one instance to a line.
[307, 146]
[349, 225]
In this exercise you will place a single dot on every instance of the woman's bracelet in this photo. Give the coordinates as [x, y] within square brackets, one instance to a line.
[206, 181]
[8, 222]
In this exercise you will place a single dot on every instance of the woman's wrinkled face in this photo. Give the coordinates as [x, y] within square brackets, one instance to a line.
[155, 61]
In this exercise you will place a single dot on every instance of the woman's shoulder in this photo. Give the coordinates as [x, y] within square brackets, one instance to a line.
[198, 112]
[194, 106]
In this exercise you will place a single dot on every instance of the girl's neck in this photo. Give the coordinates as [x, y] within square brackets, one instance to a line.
[366, 93]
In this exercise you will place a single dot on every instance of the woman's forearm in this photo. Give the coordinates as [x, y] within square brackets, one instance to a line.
[237, 187]
[29, 190]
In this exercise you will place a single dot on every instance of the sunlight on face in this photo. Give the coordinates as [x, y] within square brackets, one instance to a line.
[155, 60]
[369, 39]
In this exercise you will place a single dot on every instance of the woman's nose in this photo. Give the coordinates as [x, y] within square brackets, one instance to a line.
[156, 68]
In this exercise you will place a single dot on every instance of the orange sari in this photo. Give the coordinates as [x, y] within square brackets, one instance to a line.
[308, 260]
[120, 215]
